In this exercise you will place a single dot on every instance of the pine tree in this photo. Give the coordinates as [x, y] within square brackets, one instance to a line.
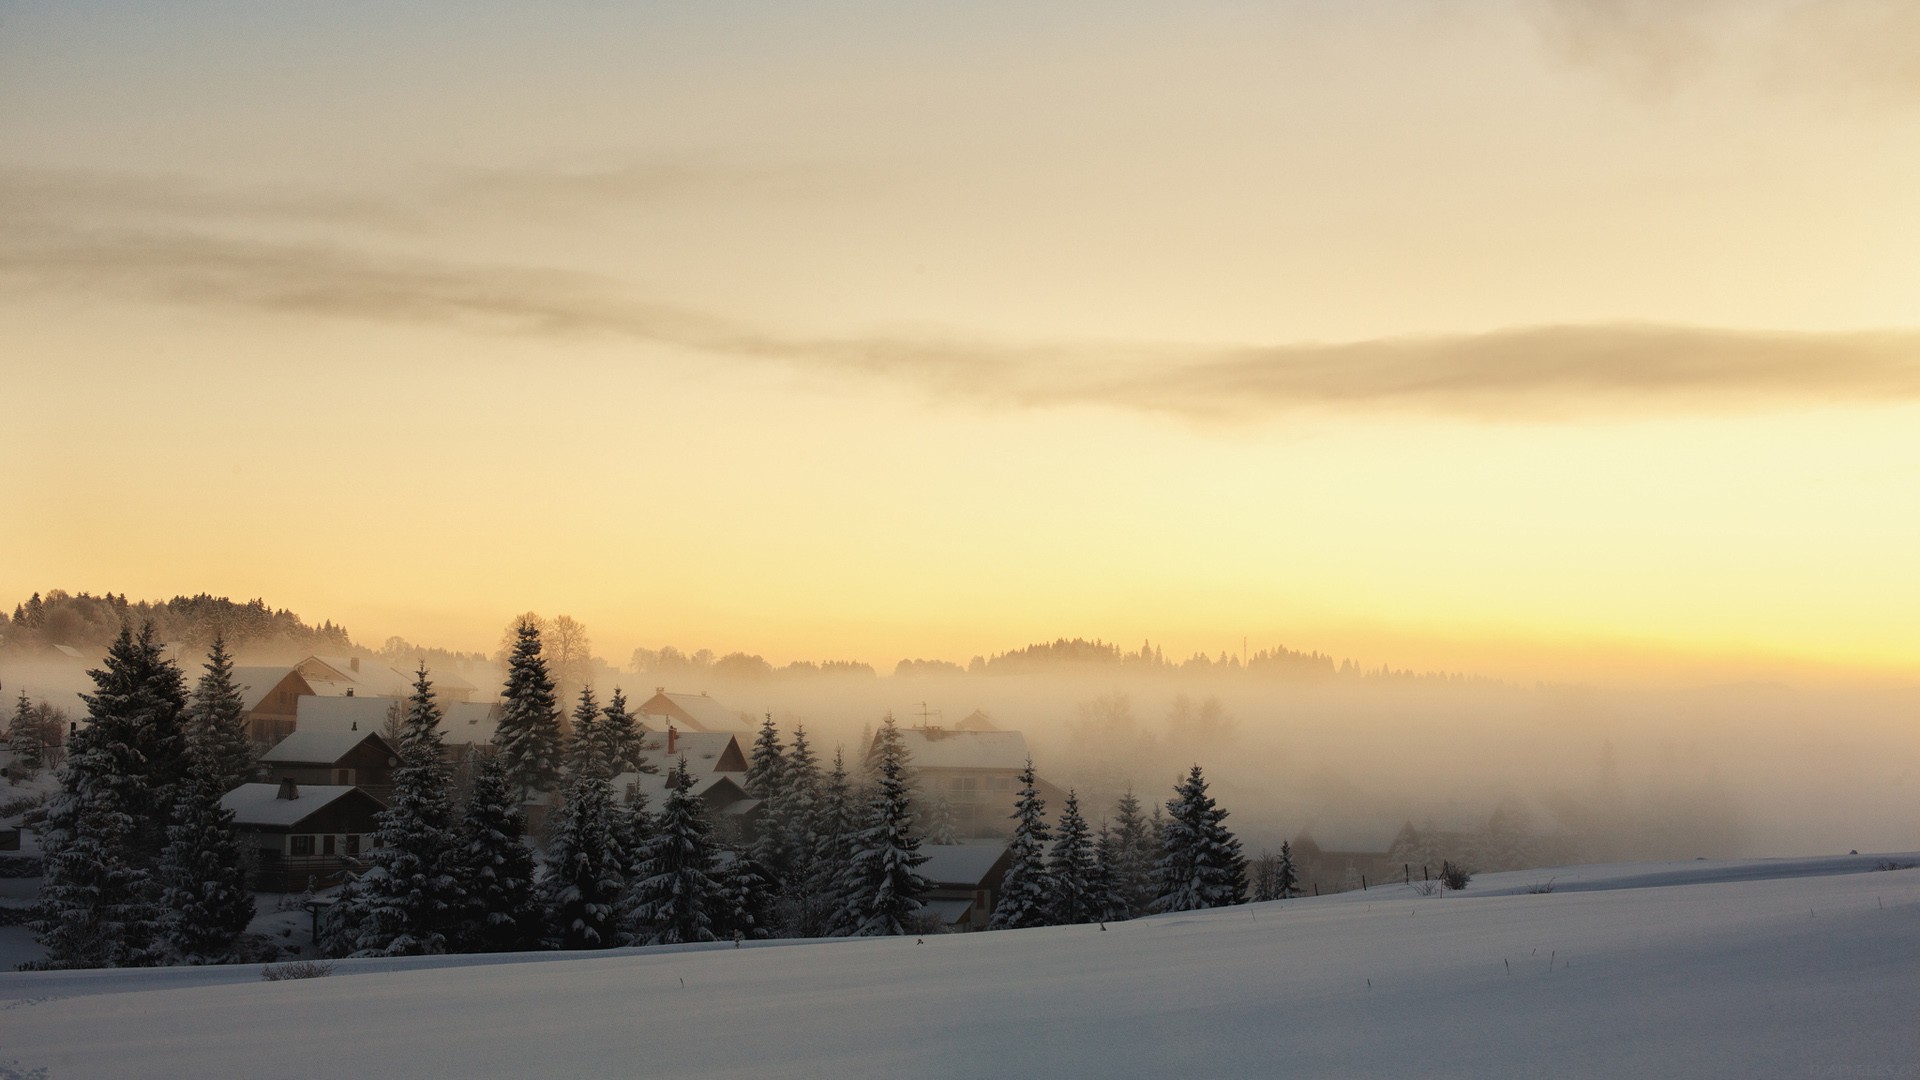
[939, 819]
[1025, 892]
[1071, 867]
[410, 898]
[883, 885]
[1136, 857]
[586, 747]
[677, 895]
[583, 883]
[97, 905]
[137, 710]
[800, 806]
[216, 724]
[744, 905]
[205, 903]
[24, 740]
[620, 733]
[767, 781]
[824, 910]
[1103, 886]
[528, 737]
[501, 912]
[1202, 867]
[1286, 879]
[106, 828]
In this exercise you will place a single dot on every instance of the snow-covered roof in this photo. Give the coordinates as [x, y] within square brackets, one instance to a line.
[705, 751]
[461, 722]
[945, 748]
[963, 864]
[977, 720]
[654, 785]
[261, 804]
[256, 683]
[699, 710]
[320, 746]
[373, 676]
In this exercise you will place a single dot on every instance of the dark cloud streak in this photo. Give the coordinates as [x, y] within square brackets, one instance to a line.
[1520, 374]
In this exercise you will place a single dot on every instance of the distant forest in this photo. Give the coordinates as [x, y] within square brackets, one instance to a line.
[89, 623]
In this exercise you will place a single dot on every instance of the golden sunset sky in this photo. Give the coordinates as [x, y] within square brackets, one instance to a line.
[1527, 338]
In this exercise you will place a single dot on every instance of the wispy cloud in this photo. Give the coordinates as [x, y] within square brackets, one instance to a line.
[1863, 46]
[151, 251]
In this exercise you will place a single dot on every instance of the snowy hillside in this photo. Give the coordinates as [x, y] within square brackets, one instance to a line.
[1766, 968]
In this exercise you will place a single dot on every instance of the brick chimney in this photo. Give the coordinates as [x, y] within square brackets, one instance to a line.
[673, 736]
[353, 662]
[288, 789]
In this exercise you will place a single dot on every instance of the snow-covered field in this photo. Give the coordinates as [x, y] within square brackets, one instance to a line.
[1753, 968]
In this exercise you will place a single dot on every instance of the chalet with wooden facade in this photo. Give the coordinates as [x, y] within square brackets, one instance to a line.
[976, 771]
[271, 696]
[352, 758]
[965, 881]
[298, 833]
[691, 712]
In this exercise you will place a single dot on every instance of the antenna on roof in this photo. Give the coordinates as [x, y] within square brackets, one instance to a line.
[926, 713]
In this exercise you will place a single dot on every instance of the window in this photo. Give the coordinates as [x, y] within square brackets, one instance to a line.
[301, 845]
[353, 843]
[326, 844]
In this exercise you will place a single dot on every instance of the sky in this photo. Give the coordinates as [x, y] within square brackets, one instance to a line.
[1532, 338]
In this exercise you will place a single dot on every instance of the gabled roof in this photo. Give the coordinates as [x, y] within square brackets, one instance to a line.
[256, 683]
[461, 723]
[977, 720]
[261, 804]
[321, 747]
[945, 748]
[374, 676]
[654, 786]
[963, 865]
[697, 711]
[705, 751]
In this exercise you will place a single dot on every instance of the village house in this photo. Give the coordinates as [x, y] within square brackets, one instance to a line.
[965, 881]
[302, 834]
[1337, 855]
[365, 676]
[976, 771]
[691, 712]
[271, 697]
[355, 758]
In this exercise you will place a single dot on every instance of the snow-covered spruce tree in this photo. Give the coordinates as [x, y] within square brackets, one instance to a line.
[24, 741]
[1202, 867]
[106, 827]
[823, 910]
[138, 709]
[586, 748]
[799, 805]
[500, 912]
[1070, 865]
[583, 883]
[528, 737]
[1136, 858]
[939, 818]
[884, 887]
[676, 896]
[410, 898]
[767, 781]
[205, 904]
[745, 903]
[1025, 893]
[216, 724]
[633, 828]
[1103, 887]
[1285, 878]
[97, 905]
[621, 735]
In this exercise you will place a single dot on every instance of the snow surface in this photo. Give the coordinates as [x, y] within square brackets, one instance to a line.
[1760, 968]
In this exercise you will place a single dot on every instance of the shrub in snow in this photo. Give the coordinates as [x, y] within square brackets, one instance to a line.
[1454, 876]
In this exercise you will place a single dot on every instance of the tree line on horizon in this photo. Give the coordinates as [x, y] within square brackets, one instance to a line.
[144, 866]
[85, 621]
